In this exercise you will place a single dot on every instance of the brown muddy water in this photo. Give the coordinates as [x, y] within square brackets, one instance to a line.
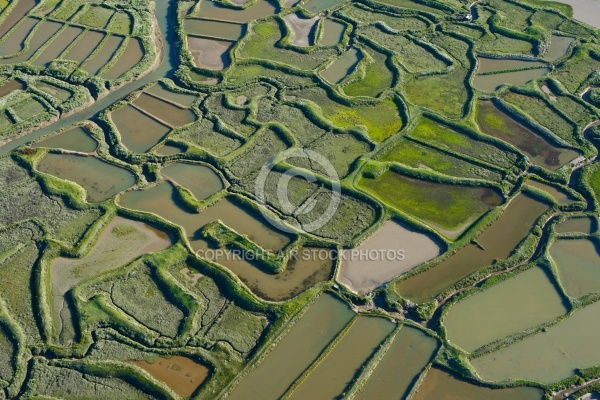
[21, 8]
[497, 123]
[210, 10]
[333, 32]
[561, 196]
[42, 34]
[401, 365]
[161, 90]
[498, 311]
[215, 29]
[296, 351]
[440, 385]
[333, 375]
[201, 180]
[57, 46]
[104, 55]
[100, 179]
[168, 150]
[393, 239]
[498, 240]
[15, 42]
[578, 265]
[139, 132]
[181, 374]
[549, 356]
[11, 86]
[85, 46]
[210, 53]
[312, 265]
[165, 111]
[76, 139]
[133, 54]
[579, 225]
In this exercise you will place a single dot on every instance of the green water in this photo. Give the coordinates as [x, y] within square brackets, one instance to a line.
[489, 83]
[211, 10]
[502, 64]
[550, 356]
[559, 46]
[215, 29]
[100, 179]
[341, 67]
[498, 311]
[397, 371]
[316, 6]
[296, 351]
[561, 196]
[582, 225]
[76, 139]
[578, 264]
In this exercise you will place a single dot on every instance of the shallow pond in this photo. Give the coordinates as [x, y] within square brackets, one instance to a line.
[210, 53]
[440, 385]
[76, 139]
[501, 64]
[549, 356]
[16, 41]
[10, 86]
[364, 274]
[335, 373]
[578, 264]
[100, 179]
[133, 54]
[57, 46]
[168, 150]
[85, 45]
[499, 240]
[559, 46]
[201, 180]
[301, 29]
[21, 8]
[333, 32]
[181, 374]
[165, 111]
[120, 242]
[215, 29]
[139, 132]
[104, 55]
[498, 311]
[580, 225]
[397, 371]
[308, 269]
[42, 34]
[316, 6]
[342, 67]
[495, 122]
[296, 351]
[489, 83]
[161, 90]
[210, 10]
[562, 197]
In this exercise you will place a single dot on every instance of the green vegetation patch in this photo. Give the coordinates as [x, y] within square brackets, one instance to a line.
[436, 134]
[375, 77]
[574, 73]
[360, 13]
[7, 349]
[96, 17]
[446, 206]
[381, 120]
[120, 23]
[265, 144]
[497, 43]
[511, 15]
[416, 155]
[203, 134]
[446, 94]
[239, 328]
[262, 44]
[539, 111]
[138, 295]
